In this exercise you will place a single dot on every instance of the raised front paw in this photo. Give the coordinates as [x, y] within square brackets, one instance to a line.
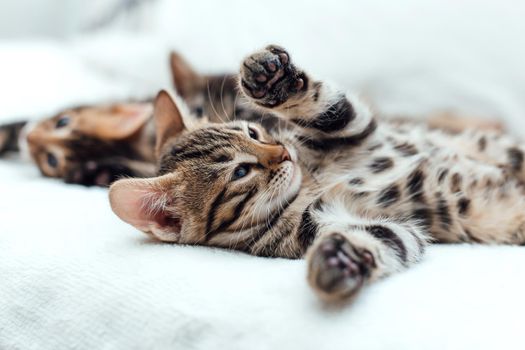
[337, 269]
[269, 78]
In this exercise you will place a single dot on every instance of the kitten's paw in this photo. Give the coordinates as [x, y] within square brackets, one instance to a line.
[269, 78]
[336, 269]
[94, 174]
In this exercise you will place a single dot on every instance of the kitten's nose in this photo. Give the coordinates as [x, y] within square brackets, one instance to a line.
[36, 137]
[274, 155]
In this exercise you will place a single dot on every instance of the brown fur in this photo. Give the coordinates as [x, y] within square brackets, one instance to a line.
[93, 145]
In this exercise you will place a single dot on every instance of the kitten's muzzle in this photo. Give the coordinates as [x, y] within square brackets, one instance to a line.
[273, 155]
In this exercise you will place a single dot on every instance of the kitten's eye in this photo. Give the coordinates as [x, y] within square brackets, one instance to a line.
[241, 171]
[63, 121]
[52, 160]
[253, 133]
[199, 111]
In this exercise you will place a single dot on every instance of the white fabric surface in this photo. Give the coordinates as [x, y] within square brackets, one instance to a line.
[72, 276]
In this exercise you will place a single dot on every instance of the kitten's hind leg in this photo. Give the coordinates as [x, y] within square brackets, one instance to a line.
[456, 123]
[492, 148]
[356, 251]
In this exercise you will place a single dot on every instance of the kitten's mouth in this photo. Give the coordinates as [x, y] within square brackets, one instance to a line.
[292, 152]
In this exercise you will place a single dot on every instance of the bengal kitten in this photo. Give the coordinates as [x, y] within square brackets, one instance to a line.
[359, 198]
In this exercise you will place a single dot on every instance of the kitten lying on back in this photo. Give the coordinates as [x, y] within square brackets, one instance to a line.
[95, 145]
[358, 197]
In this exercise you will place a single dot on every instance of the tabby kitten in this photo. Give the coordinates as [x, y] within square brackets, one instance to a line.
[94, 145]
[359, 198]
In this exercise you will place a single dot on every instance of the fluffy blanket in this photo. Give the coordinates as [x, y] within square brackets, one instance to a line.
[72, 276]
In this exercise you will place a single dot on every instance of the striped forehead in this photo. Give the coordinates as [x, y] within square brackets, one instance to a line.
[214, 138]
[220, 144]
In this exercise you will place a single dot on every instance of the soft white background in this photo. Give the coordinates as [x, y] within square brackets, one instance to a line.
[74, 276]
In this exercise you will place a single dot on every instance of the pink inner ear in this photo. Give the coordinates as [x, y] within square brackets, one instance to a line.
[165, 220]
[134, 116]
[168, 120]
[140, 204]
[133, 109]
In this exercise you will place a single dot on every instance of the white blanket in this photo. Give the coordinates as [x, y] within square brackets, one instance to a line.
[72, 276]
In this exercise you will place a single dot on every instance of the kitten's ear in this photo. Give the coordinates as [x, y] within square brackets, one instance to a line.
[144, 203]
[168, 119]
[124, 121]
[185, 79]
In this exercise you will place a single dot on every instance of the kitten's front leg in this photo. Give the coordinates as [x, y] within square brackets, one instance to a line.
[345, 257]
[104, 172]
[327, 119]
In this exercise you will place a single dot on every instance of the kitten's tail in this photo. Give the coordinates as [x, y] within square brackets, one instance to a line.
[9, 135]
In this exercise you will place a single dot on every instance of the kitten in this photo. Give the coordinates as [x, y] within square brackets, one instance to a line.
[94, 145]
[359, 198]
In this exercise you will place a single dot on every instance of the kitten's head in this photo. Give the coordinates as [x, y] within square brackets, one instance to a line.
[214, 96]
[63, 145]
[216, 181]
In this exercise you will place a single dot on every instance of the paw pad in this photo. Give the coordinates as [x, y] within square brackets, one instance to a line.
[338, 268]
[268, 77]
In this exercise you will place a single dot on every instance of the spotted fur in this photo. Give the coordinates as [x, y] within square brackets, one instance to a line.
[324, 191]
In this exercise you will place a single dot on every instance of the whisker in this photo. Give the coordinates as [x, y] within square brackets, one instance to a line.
[211, 102]
[222, 98]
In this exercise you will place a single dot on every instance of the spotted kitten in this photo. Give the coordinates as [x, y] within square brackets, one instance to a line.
[361, 199]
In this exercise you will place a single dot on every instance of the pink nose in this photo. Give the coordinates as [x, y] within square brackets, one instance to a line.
[280, 156]
[273, 155]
